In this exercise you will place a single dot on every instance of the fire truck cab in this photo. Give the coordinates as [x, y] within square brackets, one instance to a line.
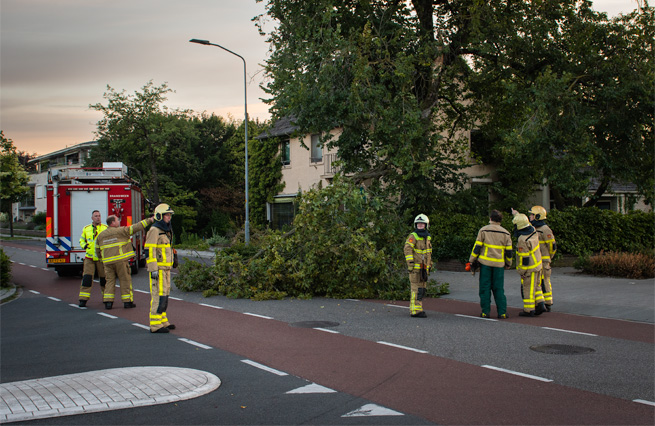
[72, 195]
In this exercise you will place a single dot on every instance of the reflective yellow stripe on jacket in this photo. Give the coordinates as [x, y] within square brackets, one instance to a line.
[485, 254]
[532, 254]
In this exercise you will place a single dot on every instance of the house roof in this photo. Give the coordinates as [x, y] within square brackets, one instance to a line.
[615, 187]
[68, 149]
[282, 127]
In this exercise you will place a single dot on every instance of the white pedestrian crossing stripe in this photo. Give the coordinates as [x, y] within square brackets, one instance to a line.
[313, 388]
[372, 410]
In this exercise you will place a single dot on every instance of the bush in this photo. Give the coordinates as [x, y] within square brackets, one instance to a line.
[625, 265]
[5, 270]
[39, 219]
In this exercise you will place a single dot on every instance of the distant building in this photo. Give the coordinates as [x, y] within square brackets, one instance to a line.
[35, 200]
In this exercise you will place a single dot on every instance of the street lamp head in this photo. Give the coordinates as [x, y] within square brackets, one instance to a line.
[195, 40]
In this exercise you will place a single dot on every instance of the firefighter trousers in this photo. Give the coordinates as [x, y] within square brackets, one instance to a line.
[88, 271]
[492, 280]
[531, 290]
[120, 270]
[418, 289]
[159, 291]
[546, 286]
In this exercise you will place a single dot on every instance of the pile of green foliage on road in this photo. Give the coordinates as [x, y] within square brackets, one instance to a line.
[5, 270]
[346, 243]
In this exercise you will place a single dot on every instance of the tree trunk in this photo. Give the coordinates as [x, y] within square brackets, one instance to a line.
[604, 184]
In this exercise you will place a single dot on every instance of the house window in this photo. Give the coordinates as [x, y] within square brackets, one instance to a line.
[40, 191]
[285, 152]
[281, 214]
[317, 149]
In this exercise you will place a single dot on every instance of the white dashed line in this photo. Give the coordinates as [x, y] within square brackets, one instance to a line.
[643, 401]
[403, 347]
[142, 291]
[107, 315]
[516, 373]
[397, 306]
[326, 330]
[34, 291]
[76, 306]
[257, 315]
[191, 342]
[54, 298]
[569, 331]
[45, 269]
[477, 318]
[263, 367]
[174, 298]
[210, 306]
[145, 327]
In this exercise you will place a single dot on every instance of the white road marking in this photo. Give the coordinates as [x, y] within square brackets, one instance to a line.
[34, 291]
[77, 306]
[265, 368]
[643, 401]
[402, 347]
[256, 315]
[191, 342]
[397, 306]
[107, 315]
[516, 373]
[142, 291]
[326, 330]
[313, 388]
[54, 298]
[174, 298]
[145, 327]
[569, 331]
[210, 306]
[372, 410]
[478, 318]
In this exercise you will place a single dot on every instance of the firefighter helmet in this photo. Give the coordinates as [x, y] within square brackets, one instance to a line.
[538, 212]
[521, 221]
[422, 219]
[162, 209]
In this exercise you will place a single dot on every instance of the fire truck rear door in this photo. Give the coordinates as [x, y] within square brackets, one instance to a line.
[83, 203]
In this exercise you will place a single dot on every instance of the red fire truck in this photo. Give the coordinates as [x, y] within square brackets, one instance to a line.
[72, 195]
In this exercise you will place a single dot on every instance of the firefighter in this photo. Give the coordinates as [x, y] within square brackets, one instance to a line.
[493, 252]
[114, 247]
[159, 243]
[548, 247]
[418, 255]
[528, 265]
[91, 261]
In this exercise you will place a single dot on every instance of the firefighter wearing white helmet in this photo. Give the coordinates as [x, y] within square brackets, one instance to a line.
[159, 243]
[548, 247]
[418, 256]
[528, 265]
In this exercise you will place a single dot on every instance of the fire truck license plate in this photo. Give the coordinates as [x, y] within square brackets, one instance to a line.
[62, 260]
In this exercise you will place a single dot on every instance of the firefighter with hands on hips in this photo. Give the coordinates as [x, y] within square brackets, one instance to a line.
[418, 255]
[493, 253]
[528, 265]
[91, 261]
[548, 247]
[114, 248]
[159, 243]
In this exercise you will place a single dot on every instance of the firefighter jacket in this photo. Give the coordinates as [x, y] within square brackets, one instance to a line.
[113, 244]
[160, 249]
[493, 246]
[528, 254]
[88, 239]
[547, 243]
[418, 252]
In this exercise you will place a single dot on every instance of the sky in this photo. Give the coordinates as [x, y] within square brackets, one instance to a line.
[57, 57]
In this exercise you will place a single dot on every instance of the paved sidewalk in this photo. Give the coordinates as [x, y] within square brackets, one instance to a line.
[101, 390]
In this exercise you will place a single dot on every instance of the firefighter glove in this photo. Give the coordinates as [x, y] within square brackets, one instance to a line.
[154, 275]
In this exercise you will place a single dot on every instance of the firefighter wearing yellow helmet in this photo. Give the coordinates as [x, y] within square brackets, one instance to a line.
[548, 247]
[418, 256]
[159, 243]
[528, 265]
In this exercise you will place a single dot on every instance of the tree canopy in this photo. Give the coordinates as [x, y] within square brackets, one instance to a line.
[553, 86]
[13, 177]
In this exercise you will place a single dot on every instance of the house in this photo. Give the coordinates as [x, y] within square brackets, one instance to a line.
[35, 200]
[305, 164]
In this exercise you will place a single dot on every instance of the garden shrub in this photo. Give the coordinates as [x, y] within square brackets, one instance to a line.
[628, 265]
[5, 269]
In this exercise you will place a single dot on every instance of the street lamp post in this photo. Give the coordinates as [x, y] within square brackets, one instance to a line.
[245, 103]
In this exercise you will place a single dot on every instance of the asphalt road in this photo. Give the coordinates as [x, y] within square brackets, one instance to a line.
[450, 368]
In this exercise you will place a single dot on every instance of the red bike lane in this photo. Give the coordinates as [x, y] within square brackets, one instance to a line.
[438, 389]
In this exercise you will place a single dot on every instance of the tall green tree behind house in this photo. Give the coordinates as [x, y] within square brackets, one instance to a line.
[554, 86]
[13, 178]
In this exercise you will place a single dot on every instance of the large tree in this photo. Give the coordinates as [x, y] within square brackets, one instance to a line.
[13, 178]
[406, 79]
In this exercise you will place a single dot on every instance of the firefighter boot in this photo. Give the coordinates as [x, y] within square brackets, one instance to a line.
[108, 305]
[160, 330]
[541, 308]
[171, 326]
[526, 314]
[128, 305]
[82, 303]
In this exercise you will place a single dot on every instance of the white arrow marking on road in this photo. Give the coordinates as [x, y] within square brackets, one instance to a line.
[372, 410]
[313, 388]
